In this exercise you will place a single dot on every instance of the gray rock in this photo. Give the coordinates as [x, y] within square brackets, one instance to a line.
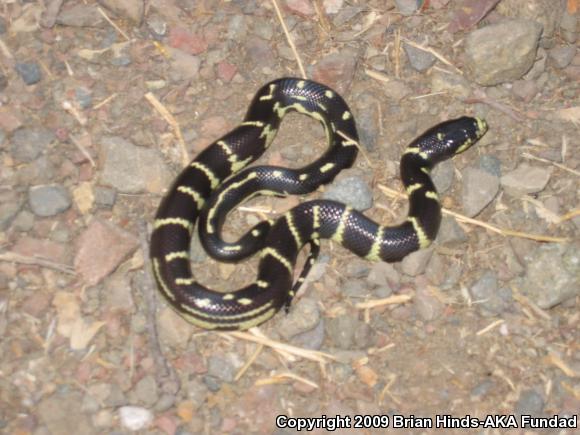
[39, 171]
[303, 316]
[443, 175]
[341, 330]
[29, 72]
[368, 128]
[61, 413]
[525, 90]
[479, 189]
[453, 84]
[538, 68]
[238, 26]
[420, 60]
[530, 402]
[157, 25]
[84, 97]
[502, 52]
[184, 66]
[146, 391]
[544, 12]
[489, 299]
[2, 26]
[481, 389]
[490, 164]
[427, 305]
[569, 26]
[81, 15]
[354, 288]
[406, 7]
[10, 204]
[415, 263]
[258, 52]
[553, 274]
[562, 56]
[29, 142]
[384, 275]
[353, 191]
[526, 179]
[312, 339]
[105, 196]
[132, 169]
[24, 221]
[396, 89]
[48, 199]
[222, 367]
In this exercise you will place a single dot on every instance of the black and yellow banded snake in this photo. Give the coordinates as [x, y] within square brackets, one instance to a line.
[215, 182]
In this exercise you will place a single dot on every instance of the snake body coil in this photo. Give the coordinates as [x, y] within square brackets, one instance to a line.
[202, 188]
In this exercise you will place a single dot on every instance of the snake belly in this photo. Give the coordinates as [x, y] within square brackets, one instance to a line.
[180, 208]
[307, 223]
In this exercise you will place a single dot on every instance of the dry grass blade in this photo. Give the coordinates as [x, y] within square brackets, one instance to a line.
[250, 361]
[172, 122]
[391, 300]
[377, 75]
[283, 377]
[289, 38]
[82, 149]
[356, 144]
[439, 57]
[556, 164]
[555, 360]
[117, 28]
[490, 327]
[528, 303]
[504, 232]
[13, 257]
[105, 101]
[283, 348]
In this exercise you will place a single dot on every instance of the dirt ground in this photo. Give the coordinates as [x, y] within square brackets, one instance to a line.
[102, 104]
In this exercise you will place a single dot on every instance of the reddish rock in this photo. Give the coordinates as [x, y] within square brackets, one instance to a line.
[226, 71]
[100, 249]
[186, 41]
[336, 70]
[300, 7]
[214, 127]
[9, 119]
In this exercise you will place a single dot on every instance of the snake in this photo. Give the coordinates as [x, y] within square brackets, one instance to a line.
[219, 178]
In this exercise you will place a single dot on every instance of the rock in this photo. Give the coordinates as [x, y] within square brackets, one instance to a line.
[312, 339]
[29, 72]
[562, 56]
[157, 25]
[490, 164]
[406, 7]
[300, 7]
[367, 125]
[61, 413]
[396, 89]
[259, 53]
[354, 288]
[530, 403]
[173, 330]
[488, 299]
[341, 330]
[502, 52]
[353, 191]
[553, 274]
[187, 41]
[100, 249]
[184, 66]
[132, 9]
[81, 15]
[479, 189]
[544, 12]
[420, 60]
[29, 142]
[146, 391]
[132, 169]
[226, 71]
[223, 368]
[569, 26]
[526, 179]
[450, 233]
[135, 418]
[105, 196]
[49, 199]
[443, 175]
[10, 205]
[336, 70]
[384, 275]
[416, 262]
[304, 316]
[453, 84]
[427, 305]
[538, 69]
[525, 90]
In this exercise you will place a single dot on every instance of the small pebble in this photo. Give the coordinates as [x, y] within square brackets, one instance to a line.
[29, 72]
[479, 189]
[529, 403]
[49, 200]
[135, 418]
[526, 179]
[353, 191]
[420, 60]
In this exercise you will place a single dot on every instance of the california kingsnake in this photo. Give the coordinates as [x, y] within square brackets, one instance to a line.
[279, 244]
